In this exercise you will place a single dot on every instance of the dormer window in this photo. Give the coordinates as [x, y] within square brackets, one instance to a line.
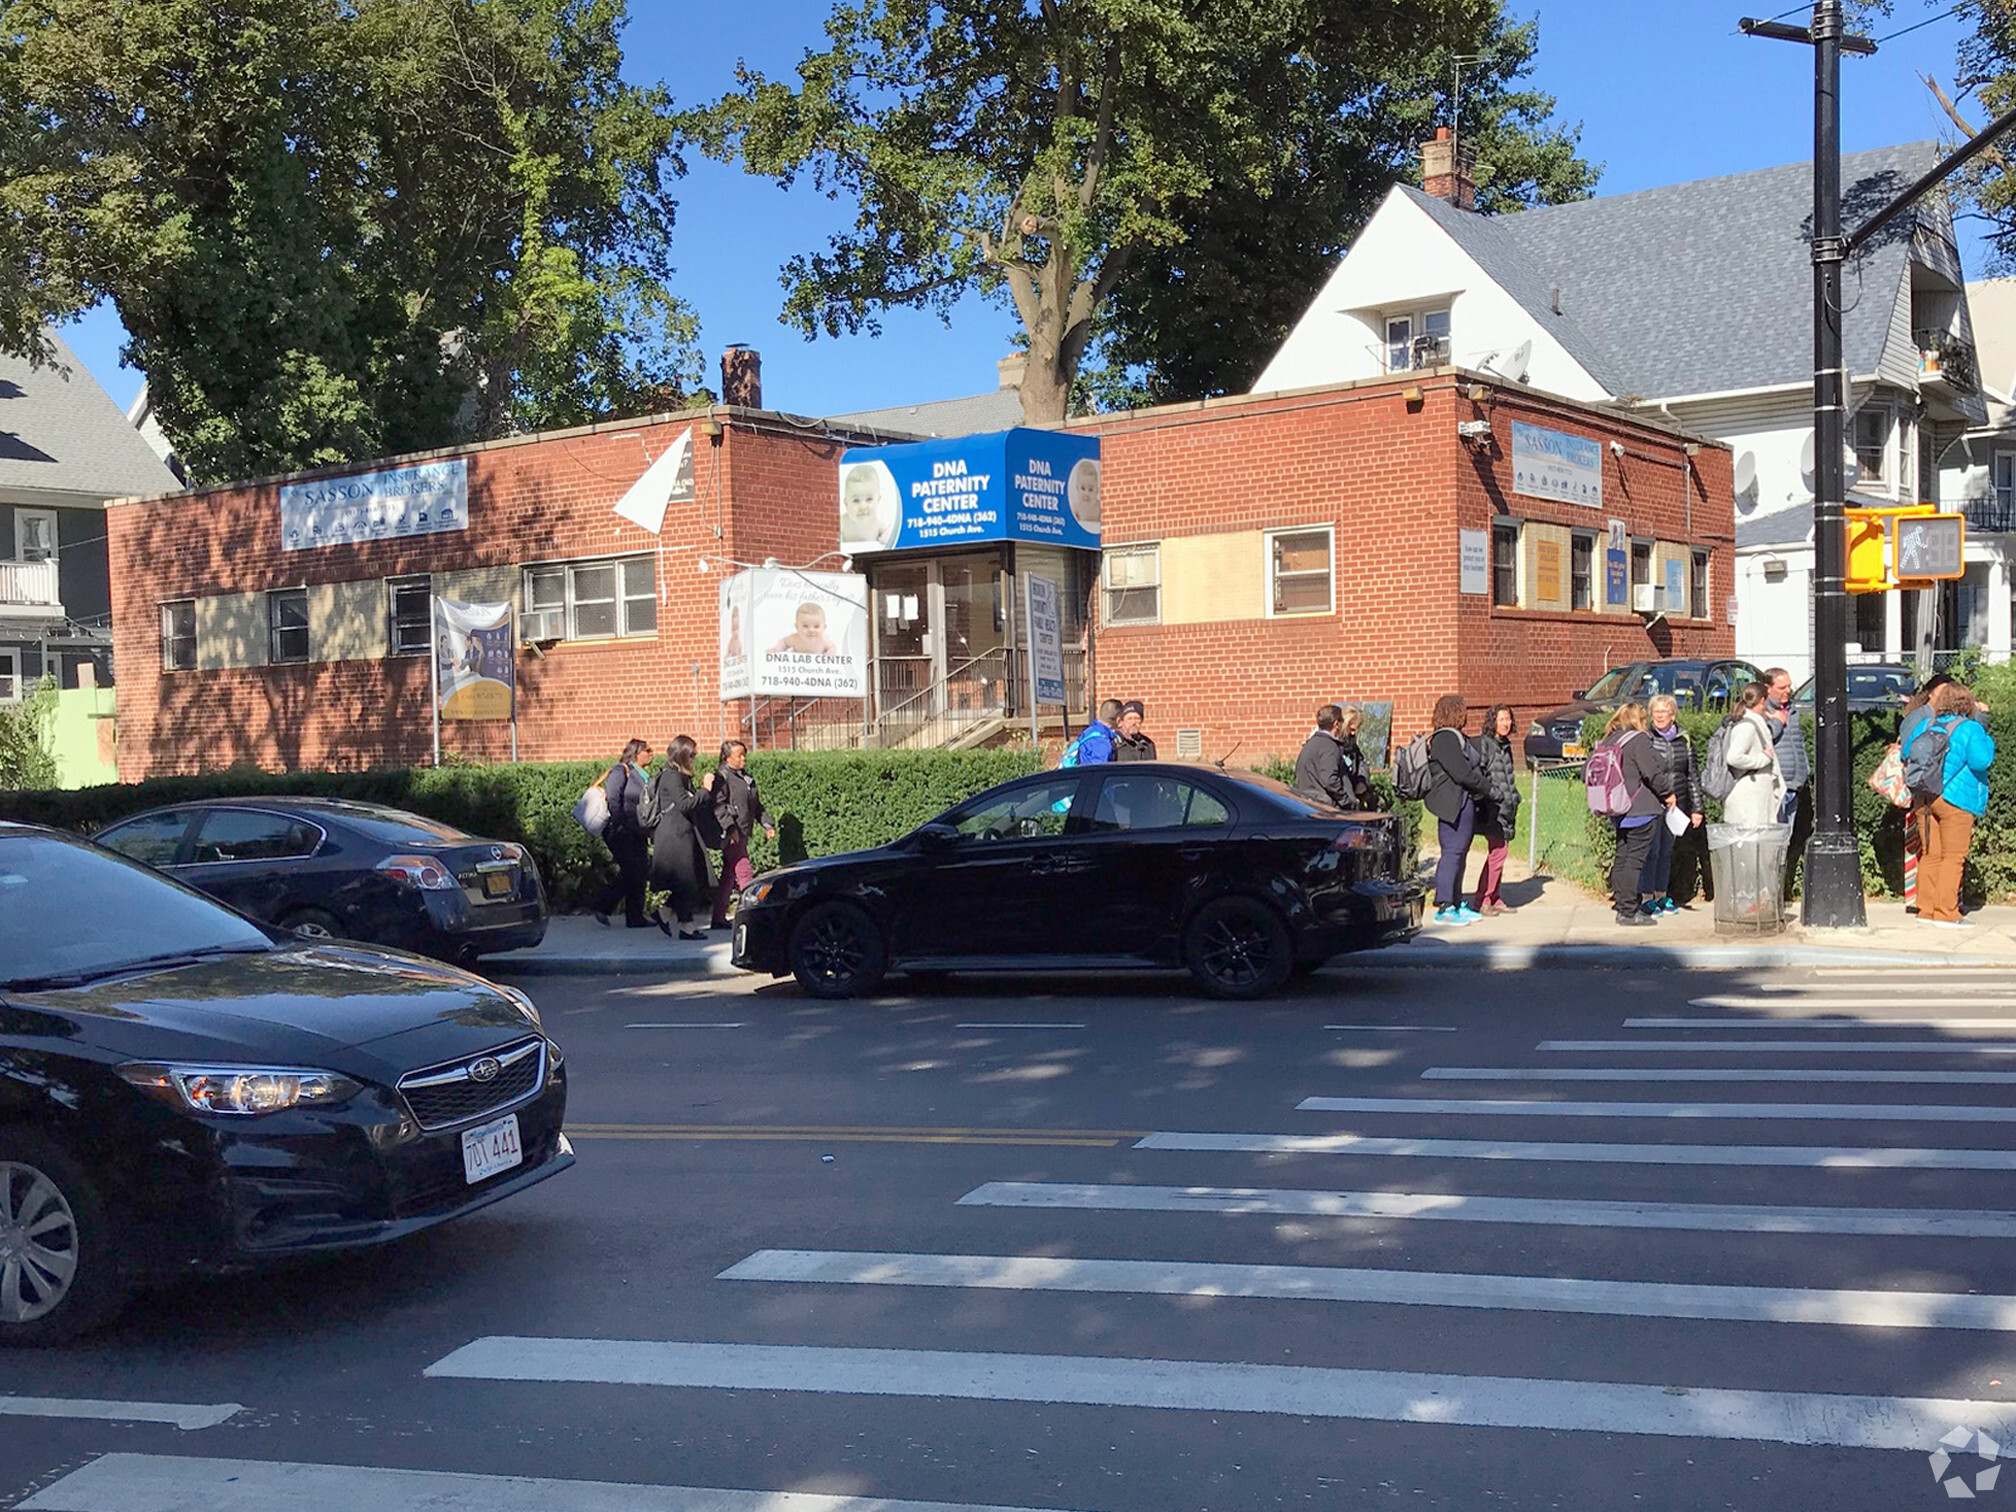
[1417, 339]
[1872, 445]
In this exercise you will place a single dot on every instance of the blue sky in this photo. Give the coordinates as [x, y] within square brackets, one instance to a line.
[1665, 91]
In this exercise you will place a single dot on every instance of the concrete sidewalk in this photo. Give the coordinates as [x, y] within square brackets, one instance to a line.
[1554, 923]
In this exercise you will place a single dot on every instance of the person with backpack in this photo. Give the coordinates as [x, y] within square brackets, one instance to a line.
[628, 836]
[1093, 745]
[679, 863]
[1675, 754]
[1498, 814]
[1454, 788]
[1756, 787]
[1634, 788]
[1947, 754]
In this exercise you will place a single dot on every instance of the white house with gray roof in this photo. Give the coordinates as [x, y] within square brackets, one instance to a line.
[64, 450]
[1695, 300]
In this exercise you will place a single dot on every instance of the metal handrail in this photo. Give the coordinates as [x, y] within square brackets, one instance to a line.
[937, 684]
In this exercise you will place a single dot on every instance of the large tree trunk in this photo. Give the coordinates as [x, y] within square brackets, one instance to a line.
[1046, 393]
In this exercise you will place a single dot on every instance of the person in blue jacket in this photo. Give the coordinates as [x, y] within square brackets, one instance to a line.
[1093, 745]
[1947, 821]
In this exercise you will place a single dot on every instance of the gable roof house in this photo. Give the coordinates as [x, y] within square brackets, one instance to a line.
[1693, 300]
[64, 450]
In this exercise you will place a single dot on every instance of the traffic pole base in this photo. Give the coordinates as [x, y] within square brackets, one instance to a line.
[1832, 892]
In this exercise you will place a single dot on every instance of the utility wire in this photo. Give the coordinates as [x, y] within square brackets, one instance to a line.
[1920, 25]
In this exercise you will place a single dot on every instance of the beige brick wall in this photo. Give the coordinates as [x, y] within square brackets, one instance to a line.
[346, 621]
[481, 585]
[1214, 577]
[231, 631]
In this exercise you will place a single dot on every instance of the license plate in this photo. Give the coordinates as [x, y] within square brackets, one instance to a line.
[491, 1149]
[1574, 748]
[497, 885]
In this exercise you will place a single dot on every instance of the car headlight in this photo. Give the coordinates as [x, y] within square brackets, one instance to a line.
[240, 1090]
[522, 1003]
[755, 893]
[1537, 732]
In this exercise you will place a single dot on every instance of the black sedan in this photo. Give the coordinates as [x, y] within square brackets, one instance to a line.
[1693, 683]
[331, 870]
[182, 1089]
[1141, 865]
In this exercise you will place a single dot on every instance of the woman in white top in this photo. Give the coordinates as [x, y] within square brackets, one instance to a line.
[1753, 762]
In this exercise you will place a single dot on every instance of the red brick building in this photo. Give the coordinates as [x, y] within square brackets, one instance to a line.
[1262, 555]
[1221, 518]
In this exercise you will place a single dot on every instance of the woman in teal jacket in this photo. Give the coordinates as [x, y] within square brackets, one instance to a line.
[1948, 820]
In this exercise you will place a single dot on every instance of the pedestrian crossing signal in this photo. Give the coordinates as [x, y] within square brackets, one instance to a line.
[1867, 570]
[1912, 547]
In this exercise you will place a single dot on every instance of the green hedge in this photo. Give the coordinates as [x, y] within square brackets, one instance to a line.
[1879, 825]
[823, 802]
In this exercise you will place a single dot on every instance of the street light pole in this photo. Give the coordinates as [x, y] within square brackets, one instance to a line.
[1833, 878]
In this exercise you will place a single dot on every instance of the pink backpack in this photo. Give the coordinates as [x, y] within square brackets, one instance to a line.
[1603, 776]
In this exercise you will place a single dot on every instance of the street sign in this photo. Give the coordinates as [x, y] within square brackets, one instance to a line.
[1928, 547]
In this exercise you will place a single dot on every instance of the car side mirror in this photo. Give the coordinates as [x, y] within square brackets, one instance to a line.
[935, 836]
[1578, 693]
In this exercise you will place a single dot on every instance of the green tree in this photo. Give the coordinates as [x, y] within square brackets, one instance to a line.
[27, 762]
[1050, 150]
[338, 228]
[1202, 316]
[1985, 87]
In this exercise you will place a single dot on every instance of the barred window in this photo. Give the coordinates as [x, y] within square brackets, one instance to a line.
[409, 611]
[598, 600]
[287, 625]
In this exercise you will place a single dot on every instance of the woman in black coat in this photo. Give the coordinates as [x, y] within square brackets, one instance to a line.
[679, 863]
[1454, 788]
[1498, 814]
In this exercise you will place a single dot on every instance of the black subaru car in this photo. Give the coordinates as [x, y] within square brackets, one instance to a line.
[1141, 865]
[183, 1089]
[328, 869]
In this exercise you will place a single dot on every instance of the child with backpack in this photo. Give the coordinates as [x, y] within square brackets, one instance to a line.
[1627, 781]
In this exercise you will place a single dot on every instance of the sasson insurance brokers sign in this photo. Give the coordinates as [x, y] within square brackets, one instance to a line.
[425, 499]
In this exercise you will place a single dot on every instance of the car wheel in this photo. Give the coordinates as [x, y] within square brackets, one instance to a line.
[836, 951]
[313, 924]
[1238, 948]
[59, 1276]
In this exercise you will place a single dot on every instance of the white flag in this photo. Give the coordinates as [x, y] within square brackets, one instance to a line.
[670, 477]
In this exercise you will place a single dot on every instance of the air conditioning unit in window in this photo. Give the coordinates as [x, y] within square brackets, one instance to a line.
[542, 624]
[1647, 599]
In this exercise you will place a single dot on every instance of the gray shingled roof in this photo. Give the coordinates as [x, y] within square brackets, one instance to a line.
[1703, 287]
[59, 430]
[975, 415]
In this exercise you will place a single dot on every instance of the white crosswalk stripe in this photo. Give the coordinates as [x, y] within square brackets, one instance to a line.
[1718, 1074]
[1823, 1021]
[1403, 1288]
[1779, 1047]
[165, 1483]
[1519, 1107]
[1772, 1417]
[185, 1415]
[1729, 1218]
[1806, 1157]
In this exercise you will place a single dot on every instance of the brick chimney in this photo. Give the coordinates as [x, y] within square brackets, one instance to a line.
[1446, 166]
[1011, 369]
[742, 377]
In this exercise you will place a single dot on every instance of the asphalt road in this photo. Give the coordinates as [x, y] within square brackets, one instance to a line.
[1080, 1245]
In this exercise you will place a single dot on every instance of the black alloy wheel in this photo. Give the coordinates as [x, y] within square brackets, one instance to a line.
[314, 924]
[836, 951]
[58, 1273]
[1238, 948]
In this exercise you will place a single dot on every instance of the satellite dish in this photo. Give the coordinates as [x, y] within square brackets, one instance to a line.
[1851, 470]
[1746, 474]
[1519, 361]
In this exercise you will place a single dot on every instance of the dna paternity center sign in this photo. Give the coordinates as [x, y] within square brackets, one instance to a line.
[1015, 485]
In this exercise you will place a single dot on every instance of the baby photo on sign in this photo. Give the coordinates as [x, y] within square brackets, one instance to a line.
[808, 633]
[1084, 494]
[870, 512]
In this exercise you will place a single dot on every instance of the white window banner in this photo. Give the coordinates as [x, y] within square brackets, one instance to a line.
[426, 499]
[475, 659]
[798, 634]
[669, 478]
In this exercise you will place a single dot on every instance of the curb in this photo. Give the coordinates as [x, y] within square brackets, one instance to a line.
[713, 961]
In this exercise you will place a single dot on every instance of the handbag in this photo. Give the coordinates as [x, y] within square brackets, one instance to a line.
[1888, 778]
[591, 810]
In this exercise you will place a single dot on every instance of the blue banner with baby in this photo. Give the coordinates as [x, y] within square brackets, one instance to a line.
[1015, 485]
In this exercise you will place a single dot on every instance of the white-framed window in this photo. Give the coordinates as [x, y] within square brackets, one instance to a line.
[2005, 481]
[10, 676]
[609, 599]
[1301, 571]
[1134, 584]
[34, 535]
[1505, 564]
[1582, 570]
[1416, 339]
[1697, 596]
[287, 625]
[409, 615]
[178, 635]
[1874, 424]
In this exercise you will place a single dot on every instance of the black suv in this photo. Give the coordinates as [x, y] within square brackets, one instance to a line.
[1696, 684]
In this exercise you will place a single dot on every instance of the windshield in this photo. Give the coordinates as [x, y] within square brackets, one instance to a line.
[1607, 685]
[70, 909]
[1681, 680]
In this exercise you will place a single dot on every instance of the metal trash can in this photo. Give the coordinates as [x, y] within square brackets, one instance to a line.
[1748, 869]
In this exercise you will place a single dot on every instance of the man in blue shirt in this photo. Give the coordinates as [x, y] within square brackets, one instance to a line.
[1788, 739]
[1094, 744]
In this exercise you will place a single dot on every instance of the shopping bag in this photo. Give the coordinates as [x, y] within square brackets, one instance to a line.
[1888, 778]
